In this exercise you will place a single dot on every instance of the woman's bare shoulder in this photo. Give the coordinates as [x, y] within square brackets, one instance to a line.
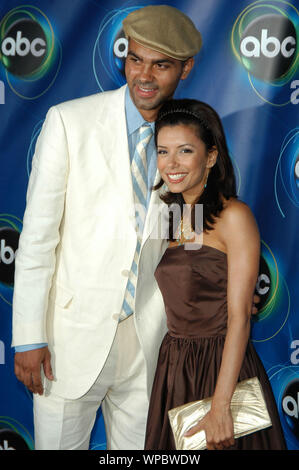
[237, 218]
[234, 210]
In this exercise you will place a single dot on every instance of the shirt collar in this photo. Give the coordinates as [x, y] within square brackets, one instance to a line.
[133, 116]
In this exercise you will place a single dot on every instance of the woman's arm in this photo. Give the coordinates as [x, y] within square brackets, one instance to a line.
[239, 233]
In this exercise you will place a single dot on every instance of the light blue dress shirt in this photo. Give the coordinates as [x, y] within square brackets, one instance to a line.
[134, 122]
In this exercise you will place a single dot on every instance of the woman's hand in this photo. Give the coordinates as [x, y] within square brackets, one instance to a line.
[218, 427]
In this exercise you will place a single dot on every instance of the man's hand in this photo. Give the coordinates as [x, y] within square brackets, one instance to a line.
[28, 368]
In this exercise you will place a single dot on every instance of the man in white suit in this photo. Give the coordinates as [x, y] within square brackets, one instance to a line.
[78, 345]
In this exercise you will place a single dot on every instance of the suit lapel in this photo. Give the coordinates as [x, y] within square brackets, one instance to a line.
[113, 142]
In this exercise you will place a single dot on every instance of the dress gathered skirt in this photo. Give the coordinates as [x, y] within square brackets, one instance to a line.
[193, 284]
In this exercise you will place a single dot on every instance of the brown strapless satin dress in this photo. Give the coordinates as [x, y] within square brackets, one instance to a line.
[194, 288]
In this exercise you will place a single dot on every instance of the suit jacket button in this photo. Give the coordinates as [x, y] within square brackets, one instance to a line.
[125, 272]
[115, 316]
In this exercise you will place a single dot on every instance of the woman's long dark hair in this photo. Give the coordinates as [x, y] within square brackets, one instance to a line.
[221, 181]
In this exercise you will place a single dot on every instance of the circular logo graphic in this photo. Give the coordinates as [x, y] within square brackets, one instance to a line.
[274, 308]
[263, 286]
[120, 51]
[264, 40]
[110, 49]
[10, 229]
[14, 435]
[290, 406]
[284, 380]
[24, 47]
[9, 240]
[268, 46]
[10, 440]
[286, 180]
[29, 51]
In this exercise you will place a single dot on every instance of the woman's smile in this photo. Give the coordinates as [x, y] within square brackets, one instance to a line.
[176, 177]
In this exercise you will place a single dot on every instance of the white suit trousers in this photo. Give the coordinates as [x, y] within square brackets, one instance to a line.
[62, 424]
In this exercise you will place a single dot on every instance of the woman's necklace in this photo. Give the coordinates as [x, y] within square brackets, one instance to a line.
[185, 232]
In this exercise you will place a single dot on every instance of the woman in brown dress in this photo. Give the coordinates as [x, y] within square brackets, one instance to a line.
[207, 291]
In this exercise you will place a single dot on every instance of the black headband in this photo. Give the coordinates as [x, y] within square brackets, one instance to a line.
[183, 111]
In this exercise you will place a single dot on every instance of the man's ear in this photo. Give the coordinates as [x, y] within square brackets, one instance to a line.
[187, 67]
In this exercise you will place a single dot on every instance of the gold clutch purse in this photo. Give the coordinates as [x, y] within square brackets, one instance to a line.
[249, 412]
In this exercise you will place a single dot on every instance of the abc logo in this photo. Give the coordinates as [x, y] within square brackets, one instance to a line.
[296, 172]
[9, 241]
[263, 285]
[290, 406]
[10, 440]
[120, 50]
[24, 47]
[268, 46]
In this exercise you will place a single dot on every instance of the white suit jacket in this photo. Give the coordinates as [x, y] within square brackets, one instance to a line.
[78, 243]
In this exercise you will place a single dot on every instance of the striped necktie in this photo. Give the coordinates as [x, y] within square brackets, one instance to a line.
[140, 189]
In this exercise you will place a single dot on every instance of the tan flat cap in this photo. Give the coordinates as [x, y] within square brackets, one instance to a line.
[164, 29]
